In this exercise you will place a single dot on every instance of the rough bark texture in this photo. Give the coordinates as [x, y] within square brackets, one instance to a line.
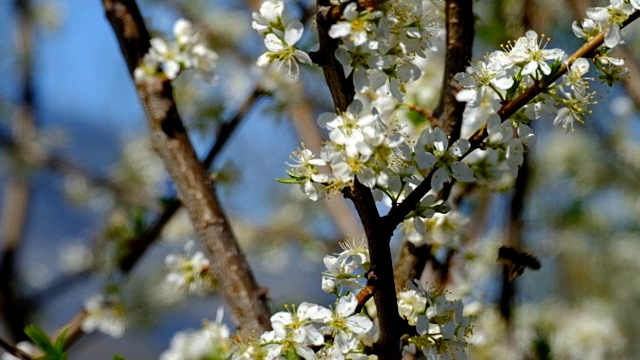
[377, 230]
[194, 185]
[460, 33]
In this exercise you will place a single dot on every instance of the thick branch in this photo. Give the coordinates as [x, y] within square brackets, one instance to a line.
[341, 87]
[460, 34]
[137, 246]
[194, 185]
[377, 231]
[17, 191]
[378, 234]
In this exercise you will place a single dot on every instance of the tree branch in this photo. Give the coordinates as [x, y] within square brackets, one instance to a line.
[460, 33]
[64, 166]
[17, 192]
[195, 187]
[397, 213]
[14, 350]
[630, 83]
[459, 43]
[137, 246]
[378, 232]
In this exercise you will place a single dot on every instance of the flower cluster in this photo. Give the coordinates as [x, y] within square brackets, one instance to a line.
[442, 328]
[608, 19]
[304, 327]
[503, 76]
[433, 151]
[437, 229]
[189, 272]
[212, 341]
[383, 40]
[168, 59]
[311, 331]
[106, 314]
[366, 147]
[346, 270]
[280, 37]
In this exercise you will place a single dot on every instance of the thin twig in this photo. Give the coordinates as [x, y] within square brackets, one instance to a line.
[64, 166]
[13, 350]
[397, 213]
[630, 83]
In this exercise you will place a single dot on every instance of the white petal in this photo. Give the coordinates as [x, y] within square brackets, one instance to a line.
[305, 353]
[302, 57]
[460, 147]
[612, 36]
[367, 177]
[312, 311]
[418, 224]
[462, 171]
[359, 324]
[440, 141]
[273, 43]
[425, 160]
[293, 32]
[309, 188]
[171, 69]
[529, 68]
[355, 107]
[439, 178]
[503, 83]
[340, 29]
[351, 11]
[346, 305]
[598, 14]
[159, 45]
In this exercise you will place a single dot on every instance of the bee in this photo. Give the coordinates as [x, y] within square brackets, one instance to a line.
[367, 291]
[516, 261]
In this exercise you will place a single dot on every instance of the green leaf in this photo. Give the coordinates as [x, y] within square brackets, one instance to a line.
[40, 339]
[118, 357]
[288, 180]
[60, 342]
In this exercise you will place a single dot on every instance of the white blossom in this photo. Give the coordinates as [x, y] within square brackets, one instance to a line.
[433, 151]
[282, 50]
[189, 272]
[104, 314]
[611, 18]
[212, 340]
[187, 51]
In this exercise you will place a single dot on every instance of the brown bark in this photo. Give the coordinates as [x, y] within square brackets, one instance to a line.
[194, 185]
[17, 192]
